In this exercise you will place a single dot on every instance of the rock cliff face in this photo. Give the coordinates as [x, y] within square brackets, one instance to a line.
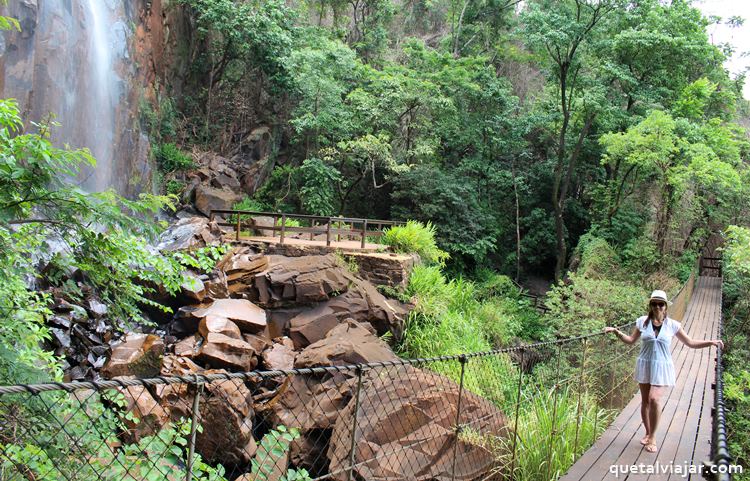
[89, 63]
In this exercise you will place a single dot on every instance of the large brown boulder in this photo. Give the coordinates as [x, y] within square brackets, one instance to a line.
[312, 403]
[209, 198]
[224, 411]
[301, 280]
[223, 351]
[246, 315]
[410, 432]
[346, 344]
[145, 416]
[138, 355]
[362, 302]
[218, 325]
[381, 268]
[280, 356]
[239, 269]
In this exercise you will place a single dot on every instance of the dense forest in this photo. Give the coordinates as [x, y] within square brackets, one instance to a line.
[586, 149]
[514, 128]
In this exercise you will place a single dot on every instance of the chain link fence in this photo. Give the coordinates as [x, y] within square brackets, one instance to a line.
[522, 413]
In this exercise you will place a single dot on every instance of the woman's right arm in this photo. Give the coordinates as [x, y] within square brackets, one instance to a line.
[631, 339]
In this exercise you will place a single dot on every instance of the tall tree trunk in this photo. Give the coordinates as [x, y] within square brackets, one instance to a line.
[557, 201]
[518, 225]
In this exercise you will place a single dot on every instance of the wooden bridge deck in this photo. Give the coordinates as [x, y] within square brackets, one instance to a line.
[684, 431]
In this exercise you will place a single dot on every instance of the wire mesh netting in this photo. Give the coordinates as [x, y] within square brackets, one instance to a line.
[523, 413]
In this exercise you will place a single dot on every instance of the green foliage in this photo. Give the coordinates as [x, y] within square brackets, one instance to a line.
[694, 99]
[553, 417]
[415, 237]
[736, 272]
[641, 255]
[101, 235]
[171, 159]
[318, 194]
[252, 35]
[450, 319]
[584, 305]
[250, 204]
[93, 423]
[175, 187]
[272, 449]
[8, 23]
[203, 259]
[598, 260]
[161, 119]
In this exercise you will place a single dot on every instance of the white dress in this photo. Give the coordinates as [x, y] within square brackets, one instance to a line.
[654, 364]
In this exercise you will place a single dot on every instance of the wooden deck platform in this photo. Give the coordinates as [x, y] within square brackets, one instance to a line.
[684, 431]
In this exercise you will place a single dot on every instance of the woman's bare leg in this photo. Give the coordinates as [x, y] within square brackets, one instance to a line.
[654, 411]
[645, 388]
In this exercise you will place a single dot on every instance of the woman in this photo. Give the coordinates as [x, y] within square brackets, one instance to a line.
[654, 369]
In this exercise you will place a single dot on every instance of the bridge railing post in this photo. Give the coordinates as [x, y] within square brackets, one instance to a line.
[515, 422]
[553, 432]
[353, 445]
[194, 421]
[463, 360]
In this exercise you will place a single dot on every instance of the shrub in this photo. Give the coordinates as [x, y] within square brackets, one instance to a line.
[547, 427]
[641, 255]
[586, 305]
[415, 237]
[250, 204]
[598, 260]
[175, 187]
[171, 159]
[736, 271]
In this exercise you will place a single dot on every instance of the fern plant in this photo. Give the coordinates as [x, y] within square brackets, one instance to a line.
[272, 450]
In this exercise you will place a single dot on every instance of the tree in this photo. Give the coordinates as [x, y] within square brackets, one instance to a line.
[561, 31]
[101, 236]
[674, 157]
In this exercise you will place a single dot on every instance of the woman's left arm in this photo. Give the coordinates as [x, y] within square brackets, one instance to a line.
[695, 344]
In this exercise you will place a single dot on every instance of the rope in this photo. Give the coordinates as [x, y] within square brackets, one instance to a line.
[257, 376]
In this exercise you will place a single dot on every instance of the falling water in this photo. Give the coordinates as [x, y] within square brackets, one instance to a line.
[103, 88]
[71, 59]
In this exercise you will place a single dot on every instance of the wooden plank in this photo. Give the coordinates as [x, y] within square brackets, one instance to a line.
[705, 427]
[687, 450]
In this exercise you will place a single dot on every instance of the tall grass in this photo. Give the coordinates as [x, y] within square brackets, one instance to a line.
[552, 432]
[415, 237]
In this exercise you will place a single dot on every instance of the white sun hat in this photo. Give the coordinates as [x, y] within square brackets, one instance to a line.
[659, 295]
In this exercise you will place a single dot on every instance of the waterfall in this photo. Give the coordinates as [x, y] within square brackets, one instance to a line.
[71, 59]
[103, 102]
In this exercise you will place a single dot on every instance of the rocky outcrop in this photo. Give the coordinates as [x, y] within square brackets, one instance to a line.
[210, 198]
[146, 416]
[362, 303]
[410, 430]
[138, 355]
[189, 233]
[244, 314]
[384, 269]
[280, 356]
[301, 280]
[348, 343]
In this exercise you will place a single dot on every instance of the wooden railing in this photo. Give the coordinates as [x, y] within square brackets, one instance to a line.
[332, 227]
